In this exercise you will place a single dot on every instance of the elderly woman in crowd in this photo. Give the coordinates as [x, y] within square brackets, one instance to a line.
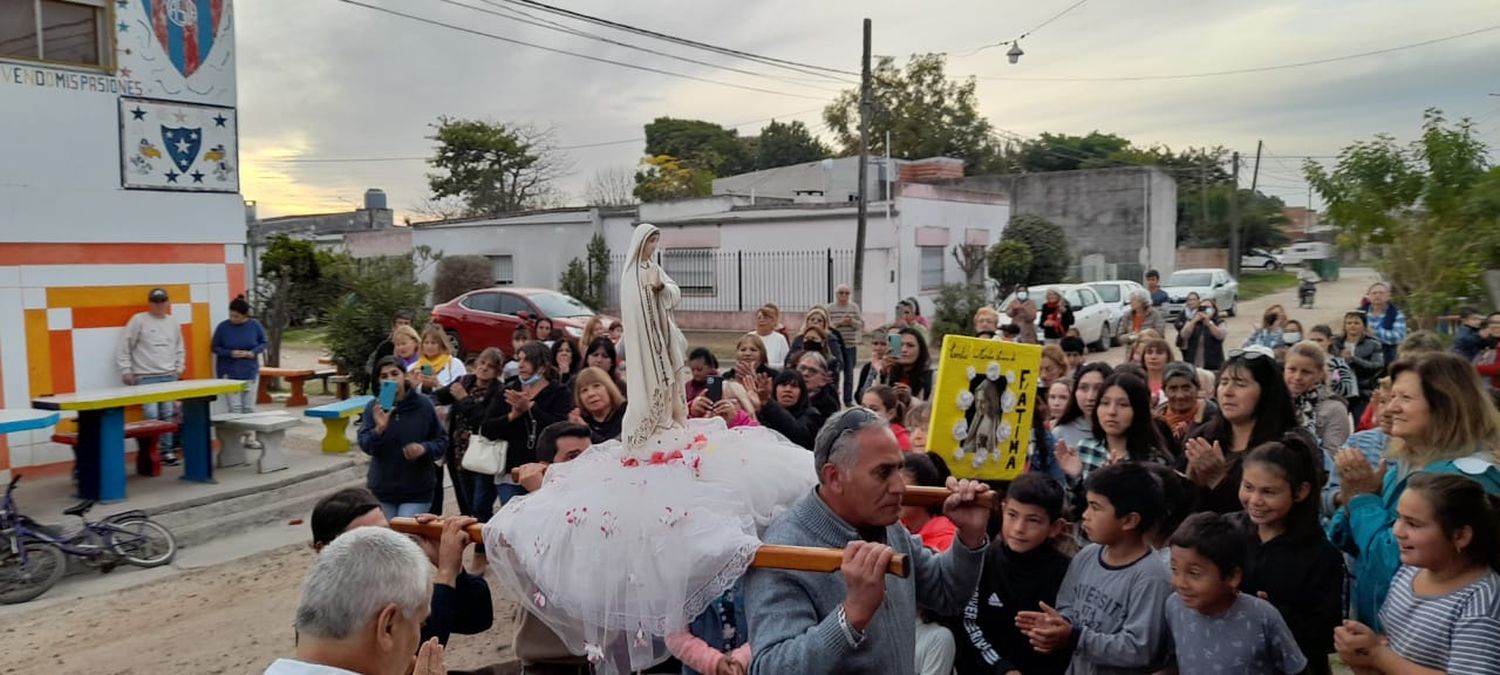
[1141, 316]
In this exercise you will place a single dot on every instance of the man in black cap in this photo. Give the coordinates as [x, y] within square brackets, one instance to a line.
[150, 351]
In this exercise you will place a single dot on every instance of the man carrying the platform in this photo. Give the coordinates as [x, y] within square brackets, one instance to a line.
[862, 621]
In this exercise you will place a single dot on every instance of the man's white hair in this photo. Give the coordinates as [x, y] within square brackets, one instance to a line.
[356, 576]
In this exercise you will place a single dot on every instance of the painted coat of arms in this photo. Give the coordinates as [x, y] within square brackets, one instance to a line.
[178, 146]
[186, 29]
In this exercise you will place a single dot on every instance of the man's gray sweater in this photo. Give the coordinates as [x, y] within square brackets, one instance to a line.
[794, 624]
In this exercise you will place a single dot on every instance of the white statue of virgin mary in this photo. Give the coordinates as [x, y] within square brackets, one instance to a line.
[631, 541]
[654, 349]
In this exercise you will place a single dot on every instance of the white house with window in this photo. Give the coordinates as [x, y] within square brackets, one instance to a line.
[731, 254]
[119, 174]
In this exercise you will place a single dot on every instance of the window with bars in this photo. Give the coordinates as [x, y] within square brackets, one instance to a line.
[504, 268]
[694, 269]
[72, 32]
[932, 267]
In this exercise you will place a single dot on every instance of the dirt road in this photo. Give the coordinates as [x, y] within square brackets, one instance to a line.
[228, 619]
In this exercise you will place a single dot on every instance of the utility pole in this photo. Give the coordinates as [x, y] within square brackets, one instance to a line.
[1234, 217]
[1255, 174]
[864, 171]
[1203, 195]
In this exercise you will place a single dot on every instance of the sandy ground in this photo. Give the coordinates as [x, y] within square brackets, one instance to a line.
[229, 618]
[236, 617]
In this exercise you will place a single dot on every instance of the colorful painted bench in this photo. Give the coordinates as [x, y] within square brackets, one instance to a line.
[335, 418]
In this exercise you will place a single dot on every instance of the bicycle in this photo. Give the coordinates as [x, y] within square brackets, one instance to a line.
[35, 556]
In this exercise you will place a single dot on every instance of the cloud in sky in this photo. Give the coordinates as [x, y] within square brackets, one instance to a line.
[327, 79]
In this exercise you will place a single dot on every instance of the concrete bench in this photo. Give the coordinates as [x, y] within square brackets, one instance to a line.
[269, 428]
[147, 435]
[335, 418]
[296, 377]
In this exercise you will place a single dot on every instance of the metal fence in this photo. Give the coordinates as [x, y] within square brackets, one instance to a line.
[739, 281]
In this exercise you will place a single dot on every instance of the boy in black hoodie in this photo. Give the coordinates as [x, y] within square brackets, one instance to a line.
[1021, 571]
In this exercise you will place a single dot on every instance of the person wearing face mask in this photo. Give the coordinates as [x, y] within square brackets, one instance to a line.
[1268, 332]
[1022, 312]
[1291, 333]
[530, 403]
[986, 322]
[1202, 337]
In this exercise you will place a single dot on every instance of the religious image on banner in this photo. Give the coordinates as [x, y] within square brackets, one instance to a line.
[982, 406]
[178, 146]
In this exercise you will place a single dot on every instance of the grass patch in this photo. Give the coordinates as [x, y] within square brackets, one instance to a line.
[1257, 284]
[310, 337]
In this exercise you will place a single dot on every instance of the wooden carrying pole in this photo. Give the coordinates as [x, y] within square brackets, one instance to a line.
[798, 558]
[915, 495]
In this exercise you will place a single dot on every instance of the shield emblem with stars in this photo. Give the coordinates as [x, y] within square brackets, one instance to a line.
[182, 145]
[186, 29]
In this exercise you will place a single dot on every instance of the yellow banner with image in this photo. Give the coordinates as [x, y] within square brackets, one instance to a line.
[983, 403]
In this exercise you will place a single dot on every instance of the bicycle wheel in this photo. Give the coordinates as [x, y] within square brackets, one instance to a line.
[141, 542]
[20, 580]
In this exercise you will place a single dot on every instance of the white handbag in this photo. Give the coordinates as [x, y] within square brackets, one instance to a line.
[484, 455]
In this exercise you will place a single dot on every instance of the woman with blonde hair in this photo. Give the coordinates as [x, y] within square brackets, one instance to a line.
[1442, 421]
[986, 322]
[592, 328]
[598, 404]
[435, 367]
[750, 360]
[406, 346]
[1054, 365]
[832, 342]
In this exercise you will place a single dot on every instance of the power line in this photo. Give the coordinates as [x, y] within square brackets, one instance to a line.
[623, 141]
[783, 63]
[1242, 71]
[1018, 38]
[565, 52]
[524, 18]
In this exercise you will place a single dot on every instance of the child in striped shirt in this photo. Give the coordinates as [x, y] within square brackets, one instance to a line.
[1443, 611]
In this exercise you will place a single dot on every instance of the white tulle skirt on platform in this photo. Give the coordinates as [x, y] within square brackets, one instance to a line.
[620, 548]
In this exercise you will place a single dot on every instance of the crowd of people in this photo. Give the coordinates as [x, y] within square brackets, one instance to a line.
[1256, 509]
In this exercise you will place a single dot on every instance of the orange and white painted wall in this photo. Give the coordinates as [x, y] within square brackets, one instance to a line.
[118, 174]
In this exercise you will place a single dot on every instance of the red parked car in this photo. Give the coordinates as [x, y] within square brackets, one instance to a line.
[487, 317]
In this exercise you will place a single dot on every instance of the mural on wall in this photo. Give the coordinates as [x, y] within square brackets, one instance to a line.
[178, 146]
[181, 50]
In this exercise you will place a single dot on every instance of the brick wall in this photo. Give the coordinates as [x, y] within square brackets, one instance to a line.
[1202, 257]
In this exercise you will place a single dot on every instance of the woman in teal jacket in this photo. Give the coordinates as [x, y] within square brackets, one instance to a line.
[1442, 421]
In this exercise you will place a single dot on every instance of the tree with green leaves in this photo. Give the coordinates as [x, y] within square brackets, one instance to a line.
[494, 167]
[459, 274]
[663, 178]
[372, 290]
[699, 145]
[598, 271]
[1430, 206]
[785, 144]
[926, 114]
[290, 271]
[1261, 219]
[1048, 246]
[1010, 265]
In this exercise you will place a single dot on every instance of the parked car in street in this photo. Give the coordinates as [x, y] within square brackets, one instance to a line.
[1299, 251]
[1261, 260]
[1116, 294]
[1091, 316]
[1207, 283]
[489, 316]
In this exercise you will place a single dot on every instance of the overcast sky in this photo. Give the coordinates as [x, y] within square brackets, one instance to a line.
[322, 79]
